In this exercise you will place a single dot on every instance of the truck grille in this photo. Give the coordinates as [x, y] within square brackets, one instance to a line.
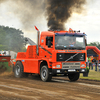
[70, 57]
[71, 65]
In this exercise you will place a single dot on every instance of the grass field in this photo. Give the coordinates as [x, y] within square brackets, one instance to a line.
[93, 75]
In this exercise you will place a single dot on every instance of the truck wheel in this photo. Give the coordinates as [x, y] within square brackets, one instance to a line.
[18, 70]
[73, 77]
[44, 73]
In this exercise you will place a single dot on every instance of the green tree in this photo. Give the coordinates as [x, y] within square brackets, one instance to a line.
[11, 39]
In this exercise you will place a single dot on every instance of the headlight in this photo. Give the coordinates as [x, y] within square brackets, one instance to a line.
[58, 66]
[82, 65]
[14, 60]
[83, 70]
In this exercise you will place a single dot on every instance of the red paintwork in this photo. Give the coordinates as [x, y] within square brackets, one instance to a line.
[94, 48]
[36, 28]
[5, 58]
[31, 61]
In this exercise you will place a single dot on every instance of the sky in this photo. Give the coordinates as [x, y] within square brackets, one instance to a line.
[87, 21]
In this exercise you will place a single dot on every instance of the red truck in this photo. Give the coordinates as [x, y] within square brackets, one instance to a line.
[56, 53]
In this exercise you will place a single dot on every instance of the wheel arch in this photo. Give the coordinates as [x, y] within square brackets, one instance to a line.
[47, 63]
[15, 64]
[19, 70]
[44, 62]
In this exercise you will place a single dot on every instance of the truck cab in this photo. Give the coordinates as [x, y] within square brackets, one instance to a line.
[65, 52]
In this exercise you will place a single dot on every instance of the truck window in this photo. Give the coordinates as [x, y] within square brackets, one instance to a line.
[69, 42]
[49, 38]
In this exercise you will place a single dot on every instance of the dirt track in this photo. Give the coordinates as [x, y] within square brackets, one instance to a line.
[32, 88]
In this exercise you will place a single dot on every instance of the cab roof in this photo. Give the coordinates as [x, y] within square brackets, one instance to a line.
[61, 33]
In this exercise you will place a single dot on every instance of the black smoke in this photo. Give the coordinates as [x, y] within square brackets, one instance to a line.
[59, 11]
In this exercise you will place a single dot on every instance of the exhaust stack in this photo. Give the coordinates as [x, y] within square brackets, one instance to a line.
[38, 37]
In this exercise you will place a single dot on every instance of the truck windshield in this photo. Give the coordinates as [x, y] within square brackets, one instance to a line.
[69, 42]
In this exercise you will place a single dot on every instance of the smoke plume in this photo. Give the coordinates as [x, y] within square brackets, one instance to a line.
[27, 11]
[58, 12]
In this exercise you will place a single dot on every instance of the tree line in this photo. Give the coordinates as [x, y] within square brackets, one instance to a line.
[11, 39]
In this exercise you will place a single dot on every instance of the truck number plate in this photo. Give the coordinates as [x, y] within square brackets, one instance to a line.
[71, 70]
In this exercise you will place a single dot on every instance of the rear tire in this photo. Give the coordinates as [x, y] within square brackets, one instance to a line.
[19, 71]
[74, 77]
[44, 73]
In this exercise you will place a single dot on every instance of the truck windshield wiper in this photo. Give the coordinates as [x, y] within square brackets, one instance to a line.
[59, 47]
[80, 48]
[71, 48]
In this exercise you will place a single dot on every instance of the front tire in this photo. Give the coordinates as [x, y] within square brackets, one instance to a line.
[73, 77]
[19, 70]
[44, 73]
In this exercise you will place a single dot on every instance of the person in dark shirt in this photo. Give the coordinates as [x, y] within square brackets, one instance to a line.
[95, 62]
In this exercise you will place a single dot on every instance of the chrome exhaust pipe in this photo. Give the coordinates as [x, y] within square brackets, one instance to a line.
[38, 38]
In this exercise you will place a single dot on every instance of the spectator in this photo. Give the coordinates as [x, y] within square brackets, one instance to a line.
[95, 62]
[90, 62]
[99, 65]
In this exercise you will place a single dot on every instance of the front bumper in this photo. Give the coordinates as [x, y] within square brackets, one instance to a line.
[66, 71]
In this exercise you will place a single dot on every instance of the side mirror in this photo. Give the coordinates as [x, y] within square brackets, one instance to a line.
[85, 42]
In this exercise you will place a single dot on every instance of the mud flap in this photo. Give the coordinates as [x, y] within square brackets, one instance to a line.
[13, 68]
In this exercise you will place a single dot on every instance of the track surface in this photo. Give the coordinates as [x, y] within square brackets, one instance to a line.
[60, 88]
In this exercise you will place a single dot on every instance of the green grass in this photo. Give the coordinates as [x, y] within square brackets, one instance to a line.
[93, 75]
